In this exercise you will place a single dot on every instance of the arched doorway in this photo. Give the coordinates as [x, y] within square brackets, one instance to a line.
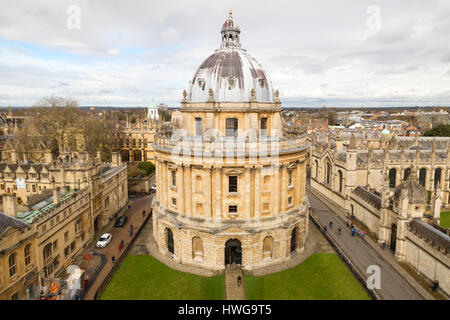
[233, 252]
[294, 239]
[170, 246]
[393, 236]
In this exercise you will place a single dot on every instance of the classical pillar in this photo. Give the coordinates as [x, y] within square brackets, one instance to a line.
[257, 197]
[218, 186]
[188, 192]
[247, 193]
[208, 189]
[181, 190]
[276, 188]
[284, 183]
[298, 185]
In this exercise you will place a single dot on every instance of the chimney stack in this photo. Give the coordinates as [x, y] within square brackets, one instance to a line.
[10, 204]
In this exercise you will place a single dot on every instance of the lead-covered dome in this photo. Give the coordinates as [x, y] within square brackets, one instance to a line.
[231, 73]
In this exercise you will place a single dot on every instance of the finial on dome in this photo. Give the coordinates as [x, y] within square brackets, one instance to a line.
[230, 13]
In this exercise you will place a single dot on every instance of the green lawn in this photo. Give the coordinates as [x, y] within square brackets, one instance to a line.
[445, 219]
[323, 276]
[145, 278]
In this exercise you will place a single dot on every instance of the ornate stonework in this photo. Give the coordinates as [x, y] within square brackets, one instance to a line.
[230, 183]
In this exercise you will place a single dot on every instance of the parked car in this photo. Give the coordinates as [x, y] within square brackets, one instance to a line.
[104, 240]
[153, 188]
[120, 221]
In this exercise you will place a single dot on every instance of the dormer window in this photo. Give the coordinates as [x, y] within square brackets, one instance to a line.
[262, 82]
[231, 83]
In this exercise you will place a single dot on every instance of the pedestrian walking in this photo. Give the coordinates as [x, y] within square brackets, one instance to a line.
[357, 232]
[331, 224]
[363, 234]
[339, 230]
[435, 285]
[353, 232]
[325, 228]
[383, 245]
[143, 214]
[348, 224]
[122, 243]
[239, 281]
[120, 247]
[113, 259]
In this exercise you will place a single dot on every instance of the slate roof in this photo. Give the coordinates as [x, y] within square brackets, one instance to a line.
[8, 221]
[368, 196]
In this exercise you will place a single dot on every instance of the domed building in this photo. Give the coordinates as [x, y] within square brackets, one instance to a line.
[230, 182]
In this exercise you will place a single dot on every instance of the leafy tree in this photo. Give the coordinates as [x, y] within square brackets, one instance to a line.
[147, 166]
[442, 130]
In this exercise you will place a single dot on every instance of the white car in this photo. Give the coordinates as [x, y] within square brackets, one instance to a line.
[104, 240]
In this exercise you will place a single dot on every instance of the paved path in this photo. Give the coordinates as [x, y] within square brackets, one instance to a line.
[134, 215]
[233, 289]
[362, 255]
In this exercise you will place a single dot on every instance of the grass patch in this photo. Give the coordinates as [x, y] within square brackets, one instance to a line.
[323, 276]
[445, 219]
[145, 278]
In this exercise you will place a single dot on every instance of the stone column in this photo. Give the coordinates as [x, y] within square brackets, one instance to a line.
[188, 192]
[208, 204]
[298, 185]
[246, 193]
[284, 183]
[181, 191]
[218, 208]
[257, 198]
[276, 189]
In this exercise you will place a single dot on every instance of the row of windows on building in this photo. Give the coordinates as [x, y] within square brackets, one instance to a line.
[392, 176]
[12, 175]
[232, 181]
[12, 260]
[231, 126]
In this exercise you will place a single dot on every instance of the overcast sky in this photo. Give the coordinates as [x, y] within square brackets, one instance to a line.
[129, 52]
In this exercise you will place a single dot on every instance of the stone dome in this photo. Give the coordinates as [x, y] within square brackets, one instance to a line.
[231, 73]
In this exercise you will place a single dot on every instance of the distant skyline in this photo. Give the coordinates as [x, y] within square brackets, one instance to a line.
[130, 53]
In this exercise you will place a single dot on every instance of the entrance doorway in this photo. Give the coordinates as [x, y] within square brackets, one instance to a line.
[170, 246]
[393, 236]
[233, 252]
[97, 224]
[294, 239]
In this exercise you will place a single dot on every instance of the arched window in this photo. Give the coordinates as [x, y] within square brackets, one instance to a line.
[328, 172]
[317, 169]
[198, 184]
[392, 177]
[266, 183]
[125, 155]
[437, 176]
[268, 248]
[12, 264]
[137, 155]
[197, 249]
[422, 176]
[406, 173]
[340, 180]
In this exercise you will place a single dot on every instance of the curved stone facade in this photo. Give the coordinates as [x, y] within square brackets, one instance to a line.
[230, 186]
